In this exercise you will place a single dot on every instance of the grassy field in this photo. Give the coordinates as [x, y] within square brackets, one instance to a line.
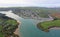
[13, 22]
[46, 25]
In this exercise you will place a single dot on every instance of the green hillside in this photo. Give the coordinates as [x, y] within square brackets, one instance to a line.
[8, 26]
[45, 26]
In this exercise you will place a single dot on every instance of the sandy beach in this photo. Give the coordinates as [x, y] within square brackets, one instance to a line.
[55, 28]
[17, 30]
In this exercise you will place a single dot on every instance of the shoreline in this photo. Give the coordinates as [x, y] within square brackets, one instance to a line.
[17, 29]
[49, 28]
[54, 27]
[58, 28]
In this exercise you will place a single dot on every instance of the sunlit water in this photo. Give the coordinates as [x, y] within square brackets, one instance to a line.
[28, 28]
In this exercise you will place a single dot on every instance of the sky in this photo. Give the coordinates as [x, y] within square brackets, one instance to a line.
[25, 3]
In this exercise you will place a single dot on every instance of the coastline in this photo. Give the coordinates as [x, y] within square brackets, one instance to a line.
[17, 29]
[54, 27]
[49, 28]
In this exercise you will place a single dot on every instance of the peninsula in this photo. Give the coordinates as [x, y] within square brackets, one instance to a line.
[8, 26]
[47, 25]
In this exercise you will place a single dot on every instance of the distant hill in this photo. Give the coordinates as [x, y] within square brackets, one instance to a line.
[41, 11]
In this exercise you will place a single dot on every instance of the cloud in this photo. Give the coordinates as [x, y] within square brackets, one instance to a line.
[9, 1]
[47, 3]
[41, 3]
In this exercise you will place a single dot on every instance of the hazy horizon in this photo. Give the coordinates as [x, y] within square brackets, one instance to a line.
[29, 3]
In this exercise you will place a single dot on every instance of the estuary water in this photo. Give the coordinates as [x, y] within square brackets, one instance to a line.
[28, 28]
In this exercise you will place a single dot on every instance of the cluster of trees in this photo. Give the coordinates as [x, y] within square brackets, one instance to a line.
[8, 27]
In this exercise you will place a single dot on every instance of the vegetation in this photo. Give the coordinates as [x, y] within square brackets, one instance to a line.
[1, 34]
[7, 27]
[48, 24]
